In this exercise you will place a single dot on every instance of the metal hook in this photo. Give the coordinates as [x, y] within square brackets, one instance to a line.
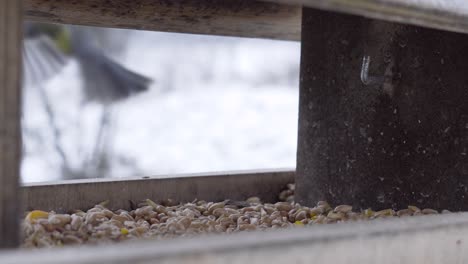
[365, 77]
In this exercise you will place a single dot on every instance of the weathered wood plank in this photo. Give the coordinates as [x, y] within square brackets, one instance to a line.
[10, 136]
[428, 239]
[446, 15]
[83, 194]
[388, 134]
[245, 18]
[277, 19]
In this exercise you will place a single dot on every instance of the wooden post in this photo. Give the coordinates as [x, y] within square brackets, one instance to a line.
[383, 114]
[10, 136]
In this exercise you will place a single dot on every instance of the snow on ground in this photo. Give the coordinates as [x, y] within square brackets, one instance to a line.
[216, 104]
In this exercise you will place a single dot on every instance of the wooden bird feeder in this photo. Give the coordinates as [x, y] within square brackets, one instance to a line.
[383, 122]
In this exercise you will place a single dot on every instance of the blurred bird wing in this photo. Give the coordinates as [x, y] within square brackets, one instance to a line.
[111, 42]
[41, 59]
[116, 81]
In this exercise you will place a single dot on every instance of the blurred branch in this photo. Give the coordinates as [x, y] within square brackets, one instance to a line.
[36, 72]
[97, 162]
[53, 125]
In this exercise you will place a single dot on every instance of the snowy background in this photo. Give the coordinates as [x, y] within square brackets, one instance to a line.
[217, 103]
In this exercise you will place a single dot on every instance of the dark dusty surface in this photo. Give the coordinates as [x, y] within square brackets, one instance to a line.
[387, 145]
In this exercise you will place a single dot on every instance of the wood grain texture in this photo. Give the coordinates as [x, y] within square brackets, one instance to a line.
[387, 144]
[66, 196]
[438, 14]
[437, 239]
[10, 134]
[275, 19]
[244, 18]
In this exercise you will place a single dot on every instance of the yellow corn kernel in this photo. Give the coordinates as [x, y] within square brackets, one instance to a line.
[124, 231]
[368, 212]
[151, 203]
[36, 214]
[299, 223]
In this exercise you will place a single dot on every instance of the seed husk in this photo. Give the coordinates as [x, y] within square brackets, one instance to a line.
[253, 200]
[300, 215]
[335, 216]
[59, 219]
[384, 213]
[283, 206]
[343, 208]
[405, 212]
[215, 206]
[429, 211]
[413, 208]
[170, 219]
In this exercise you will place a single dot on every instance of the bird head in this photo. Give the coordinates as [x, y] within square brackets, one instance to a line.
[57, 33]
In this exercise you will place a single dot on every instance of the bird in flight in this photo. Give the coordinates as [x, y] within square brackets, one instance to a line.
[48, 46]
[47, 49]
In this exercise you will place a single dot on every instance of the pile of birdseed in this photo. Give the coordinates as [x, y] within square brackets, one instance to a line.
[156, 221]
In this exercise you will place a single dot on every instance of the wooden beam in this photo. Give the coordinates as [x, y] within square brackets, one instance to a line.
[444, 15]
[244, 18]
[65, 196]
[275, 19]
[409, 240]
[383, 114]
[10, 133]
